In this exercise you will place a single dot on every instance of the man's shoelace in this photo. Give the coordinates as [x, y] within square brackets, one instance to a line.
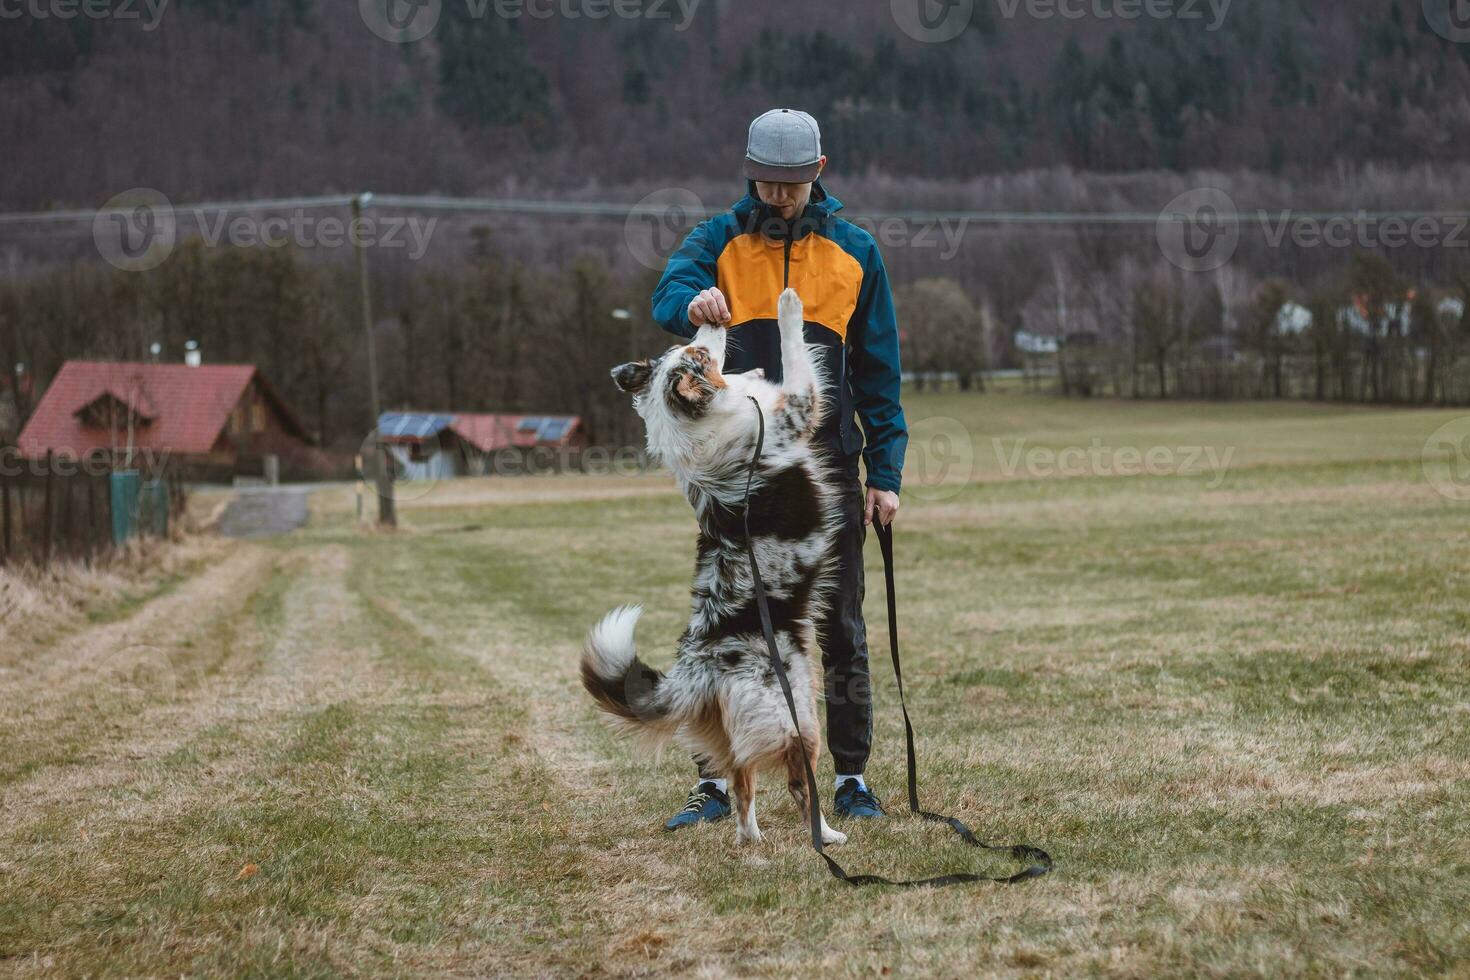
[696, 802]
[861, 795]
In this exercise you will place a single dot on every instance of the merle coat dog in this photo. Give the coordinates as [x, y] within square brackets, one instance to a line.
[720, 698]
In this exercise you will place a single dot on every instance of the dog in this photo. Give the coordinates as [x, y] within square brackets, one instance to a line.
[721, 698]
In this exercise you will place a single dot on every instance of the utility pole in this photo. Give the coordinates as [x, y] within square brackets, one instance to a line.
[387, 512]
[365, 296]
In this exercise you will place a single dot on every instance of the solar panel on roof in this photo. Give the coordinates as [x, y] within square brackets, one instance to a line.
[554, 429]
[530, 425]
[412, 425]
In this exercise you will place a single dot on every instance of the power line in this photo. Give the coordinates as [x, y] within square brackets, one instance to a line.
[276, 204]
[622, 209]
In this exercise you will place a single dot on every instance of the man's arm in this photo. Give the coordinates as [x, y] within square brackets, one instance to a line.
[691, 270]
[875, 376]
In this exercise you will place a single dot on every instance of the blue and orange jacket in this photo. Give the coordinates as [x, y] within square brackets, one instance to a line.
[751, 254]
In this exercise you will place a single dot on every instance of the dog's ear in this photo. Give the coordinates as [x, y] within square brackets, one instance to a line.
[632, 378]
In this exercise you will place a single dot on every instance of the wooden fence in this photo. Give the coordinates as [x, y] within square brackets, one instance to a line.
[54, 510]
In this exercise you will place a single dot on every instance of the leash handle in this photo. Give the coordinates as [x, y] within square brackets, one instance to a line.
[1037, 861]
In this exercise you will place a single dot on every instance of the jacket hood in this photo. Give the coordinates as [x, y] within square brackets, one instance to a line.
[755, 214]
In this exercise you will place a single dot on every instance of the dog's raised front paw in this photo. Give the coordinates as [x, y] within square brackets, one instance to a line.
[789, 309]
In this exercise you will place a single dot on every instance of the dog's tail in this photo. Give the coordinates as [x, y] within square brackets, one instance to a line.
[633, 693]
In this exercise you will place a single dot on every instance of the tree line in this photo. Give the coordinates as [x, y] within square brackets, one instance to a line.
[492, 335]
[290, 97]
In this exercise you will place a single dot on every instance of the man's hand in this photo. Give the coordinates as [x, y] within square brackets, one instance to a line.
[882, 502]
[709, 307]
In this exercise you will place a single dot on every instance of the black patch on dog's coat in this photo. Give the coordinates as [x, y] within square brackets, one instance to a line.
[629, 696]
[632, 378]
[784, 506]
[786, 613]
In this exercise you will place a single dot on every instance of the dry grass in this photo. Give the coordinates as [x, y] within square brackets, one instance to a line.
[40, 604]
[1236, 716]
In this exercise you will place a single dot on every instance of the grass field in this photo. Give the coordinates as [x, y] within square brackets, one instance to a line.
[1232, 703]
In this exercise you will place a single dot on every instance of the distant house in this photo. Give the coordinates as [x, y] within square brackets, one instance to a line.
[1035, 343]
[1295, 320]
[223, 415]
[436, 445]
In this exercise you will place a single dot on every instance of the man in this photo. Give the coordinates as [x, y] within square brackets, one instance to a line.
[730, 270]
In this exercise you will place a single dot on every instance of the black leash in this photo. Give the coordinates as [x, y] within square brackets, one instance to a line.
[1037, 862]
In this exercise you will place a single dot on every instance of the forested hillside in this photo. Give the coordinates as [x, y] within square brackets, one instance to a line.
[279, 97]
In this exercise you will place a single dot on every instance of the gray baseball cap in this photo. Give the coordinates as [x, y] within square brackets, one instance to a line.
[785, 146]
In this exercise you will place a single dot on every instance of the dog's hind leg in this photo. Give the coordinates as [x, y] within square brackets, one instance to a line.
[746, 830]
[796, 783]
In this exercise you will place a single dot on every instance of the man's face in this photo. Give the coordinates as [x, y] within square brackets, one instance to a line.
[787, 200]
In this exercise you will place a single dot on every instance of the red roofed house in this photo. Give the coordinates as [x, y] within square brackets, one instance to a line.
[220, 414]
[434, 445]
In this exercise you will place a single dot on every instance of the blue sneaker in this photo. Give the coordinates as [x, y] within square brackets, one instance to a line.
[705, 803]
[855, 800]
